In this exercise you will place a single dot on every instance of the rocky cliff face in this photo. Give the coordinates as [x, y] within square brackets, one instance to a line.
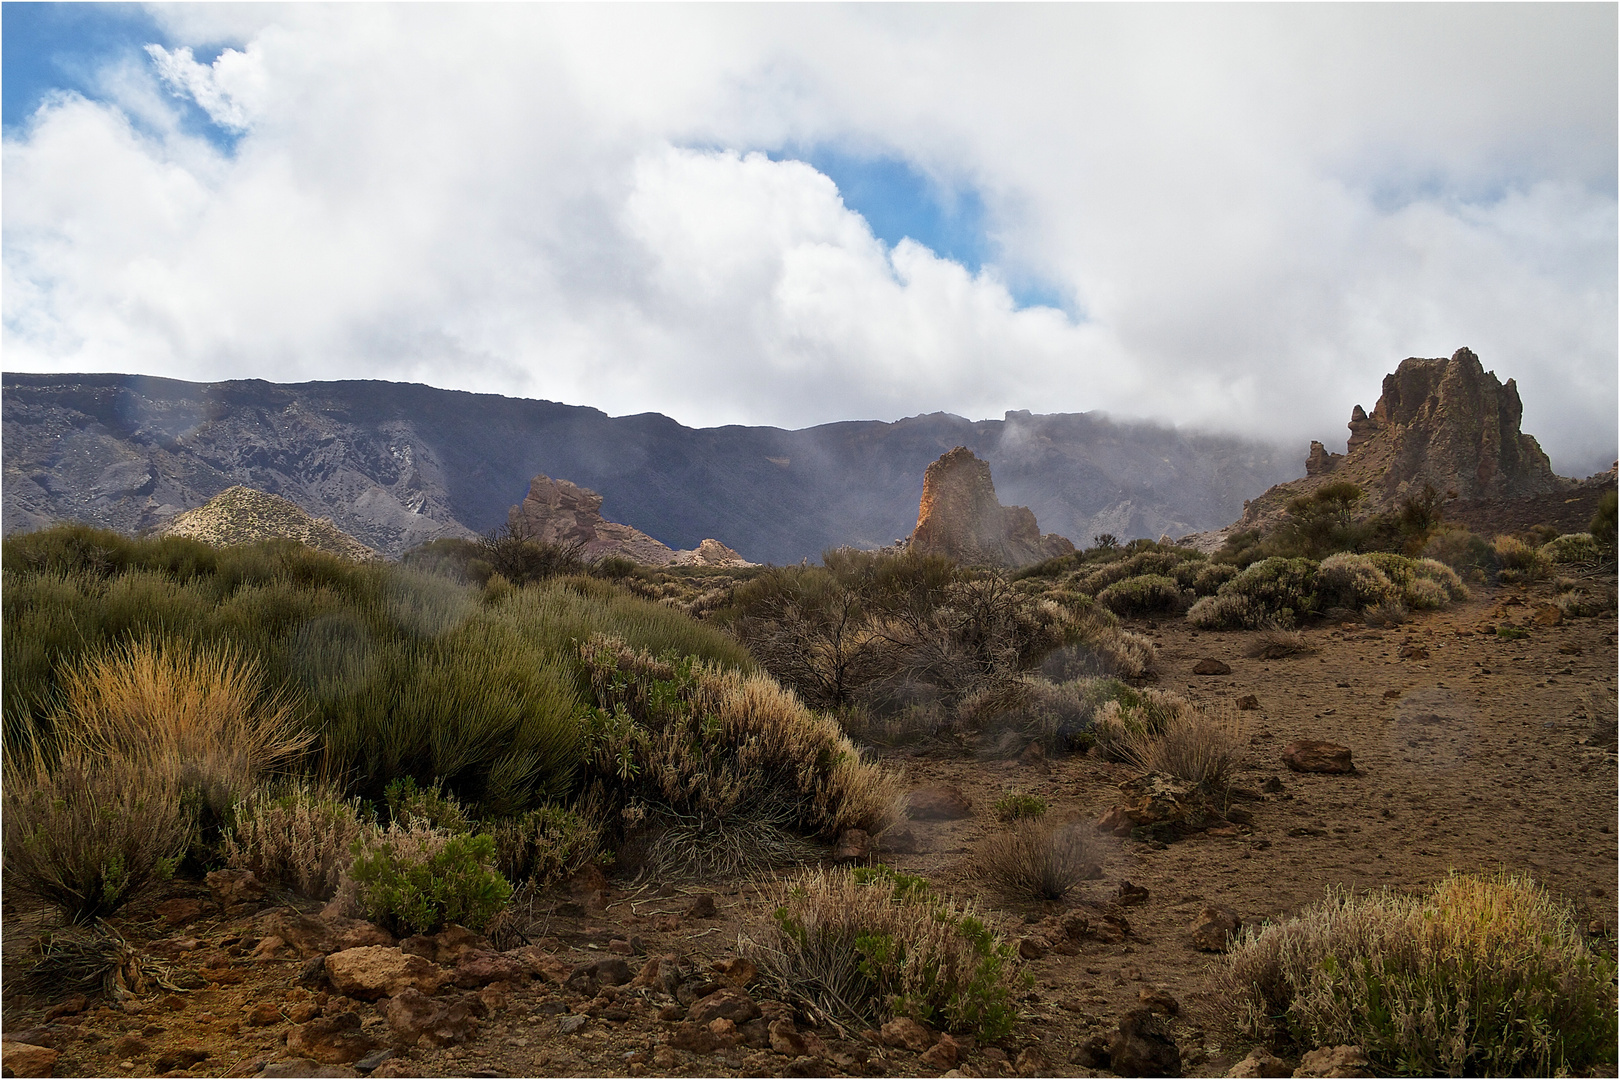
[396, 464]
[562, 512]
[240, 515]
[1446, 422]
[960, 517]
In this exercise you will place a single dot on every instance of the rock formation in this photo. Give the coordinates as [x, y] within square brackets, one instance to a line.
[960, 517]
[562, 512]
[241, 515]
[1445, 422]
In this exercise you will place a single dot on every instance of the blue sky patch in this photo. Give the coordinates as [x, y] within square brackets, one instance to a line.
[66, 46]
[898, 201]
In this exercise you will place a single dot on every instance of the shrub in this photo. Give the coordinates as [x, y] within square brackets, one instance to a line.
[522, 560]
[301, 839]
[1424, 594]
[1098, 646]
[1571, 548]
[867, 946]
[1062, 716]
[1461, 550]
[1136, 715]
[1483, 976]
[1389, 613]
[1435, 570]
[1014, 805]
[724, 759]
[1520, 561]
[545, 845]
[1040, 860]
[1211, 576]
[87, 959]
[409, 804]
[1275, 643]
[1141, 595]
[1352, 581]
[1195, 746]
[418, 879]
[197, 716]
[1603, 522]
[1227, 611]
[87, 835]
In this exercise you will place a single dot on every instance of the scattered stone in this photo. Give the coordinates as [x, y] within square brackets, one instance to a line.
[1030, 948]
[183, 1058]
[694, 1038]
[298, 1066]
[332, 1040]
[312, 935]
[71, 1006]
[1272, 785]
[1159, 1001]
[906, 1032]
[302, 1012]
[1335, 1061]
[131, 1046]
[375, 971]
[702, 907]
[1210, 666]
[313, 972]
[1130, 895]
[1547, 615]
[1092, 1054]
[541, 964]
[786, 1040]
[1259, 1063]
[373, 1060]
[1162, 806]
[263, 1014]
[26, 1059]
[1248, 703]
[944, 1054]
[570, 1024]
[267, 949]
[730, 1003]
[1414, 652]
[1143, 1047]
[806, 1066]
[941, 802]
[1316, 756]
[590, 978]
[395, 1067]
[1031, 1062]
[1214, 929]
[236, 891]
[902, 841]
[179, 911]
[738, 970]
[854, 845]
[622, 947]
[480, 967]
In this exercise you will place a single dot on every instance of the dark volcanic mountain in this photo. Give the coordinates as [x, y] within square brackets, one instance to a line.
[395, 464]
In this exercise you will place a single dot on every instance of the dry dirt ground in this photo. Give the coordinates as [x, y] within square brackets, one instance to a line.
[1471, 751]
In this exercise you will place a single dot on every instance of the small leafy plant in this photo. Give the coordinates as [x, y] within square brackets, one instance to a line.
[1014, 805]
[417, 880]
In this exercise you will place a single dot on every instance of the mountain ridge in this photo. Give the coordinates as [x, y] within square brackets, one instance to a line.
[395, 464]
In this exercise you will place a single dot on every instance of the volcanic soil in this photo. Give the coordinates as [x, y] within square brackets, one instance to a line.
[1472, 752]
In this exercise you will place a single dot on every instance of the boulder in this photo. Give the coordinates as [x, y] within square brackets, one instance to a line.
[480, 967]
[375, 971]
[730, 1003]
[961, 518]
[1143, 1047]
[235, 890]
[561, 512]
[1210, 666]
[905, 1032]
[944, 1054]
[1166, 806]
[1317, 756]
[26, 1059]
[416, 1019]
[315, 935]
[1335, 1061]
[1259, 1063]
[854, 845]
[1214, 928]
[333, 1040]
[941, 802]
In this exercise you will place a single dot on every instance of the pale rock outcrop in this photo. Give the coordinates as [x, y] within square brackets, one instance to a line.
[243, 515]
[561, 512]
[960, 517]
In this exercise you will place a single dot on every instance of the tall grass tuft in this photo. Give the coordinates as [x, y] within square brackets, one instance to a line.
[1198, 746]
[1484, 976]
[1040, 860]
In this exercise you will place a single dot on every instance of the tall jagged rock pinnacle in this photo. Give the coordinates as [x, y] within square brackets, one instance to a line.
[960, 517]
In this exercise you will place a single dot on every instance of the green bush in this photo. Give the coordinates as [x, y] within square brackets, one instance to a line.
[410, 804]
[418, 880]
[1144, 594]
[1572, 548]
[1353, 581]
[87, 834]
[1520, 561]
[1602, 527]
[1461, 550]
[1481, 977]
[1210, 576]
[1014, 805]
[871, 945]
[545, 845]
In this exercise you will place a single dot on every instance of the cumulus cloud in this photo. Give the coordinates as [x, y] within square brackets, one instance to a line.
[1253, 213]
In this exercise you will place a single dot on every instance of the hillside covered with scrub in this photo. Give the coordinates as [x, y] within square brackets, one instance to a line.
[268, 809]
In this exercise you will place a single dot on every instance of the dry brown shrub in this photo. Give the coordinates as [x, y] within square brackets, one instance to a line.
[299, 839]
[1039, 859]
[1275, 643]
[87, 835]
[200, 717]
[1198, 746]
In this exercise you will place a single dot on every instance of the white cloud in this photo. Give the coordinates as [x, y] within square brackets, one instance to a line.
[1260, 210]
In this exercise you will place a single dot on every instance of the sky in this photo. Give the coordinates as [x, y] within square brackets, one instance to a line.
[1233, 218]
